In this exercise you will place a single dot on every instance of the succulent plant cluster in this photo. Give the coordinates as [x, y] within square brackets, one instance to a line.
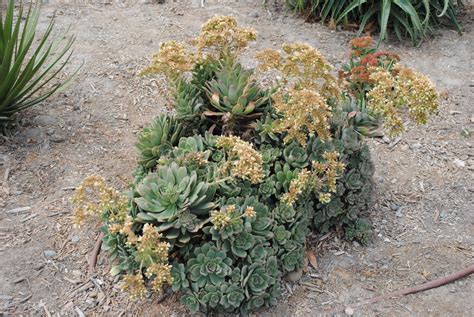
[228, 188]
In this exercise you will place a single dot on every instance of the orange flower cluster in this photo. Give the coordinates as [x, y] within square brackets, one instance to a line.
[360, 45]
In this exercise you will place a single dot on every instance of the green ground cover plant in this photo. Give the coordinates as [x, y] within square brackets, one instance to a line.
[228, 186]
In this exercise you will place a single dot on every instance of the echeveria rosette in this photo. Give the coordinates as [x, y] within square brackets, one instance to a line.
[281, 235]
[269, 153]
[284, 213]
[254, 303]
[260, 225]
[241, 243]
[284, 175]
[210, 265]
[176, 201]
[257, 253]
[191, 301]
[178, 272]
[210, 296]
[232, 296]
[295, 155]
[292, 260]
[158, 139]
[256, 279]
[353, 180]
[267, 188]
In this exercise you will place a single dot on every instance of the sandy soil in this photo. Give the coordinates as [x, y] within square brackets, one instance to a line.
[423, 217]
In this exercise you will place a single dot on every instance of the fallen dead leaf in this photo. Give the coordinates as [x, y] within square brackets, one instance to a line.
[311, 256]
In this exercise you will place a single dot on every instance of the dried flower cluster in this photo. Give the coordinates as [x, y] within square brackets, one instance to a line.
[134, 285]
[172, 60]
[245, 162]
[323, 174]
[221, 35]
[152, 254]
[93, 197]
[304, 112]
[418, 94]
[329, 170]
[303, 67]
[361, 45]
[403, 88]
[228, 215]
[297, 187]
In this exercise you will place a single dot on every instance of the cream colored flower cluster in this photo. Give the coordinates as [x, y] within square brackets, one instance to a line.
[221, 35]
[172, 60]
[224, 217]
[304, 112]
[297, 187]
[323, 177]
[303, 67]
[398, 90]
[244, 161]
[93, 197]
[152, 253]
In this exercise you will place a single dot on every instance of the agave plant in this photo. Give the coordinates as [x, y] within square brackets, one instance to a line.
[175, 201]
[234, 96]
[158, 139]
[26, 71]
[412, 18]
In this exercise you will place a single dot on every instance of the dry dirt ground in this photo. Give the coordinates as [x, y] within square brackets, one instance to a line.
[423, 217]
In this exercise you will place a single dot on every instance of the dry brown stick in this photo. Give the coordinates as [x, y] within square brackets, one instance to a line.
[95, 253]
[409, 290]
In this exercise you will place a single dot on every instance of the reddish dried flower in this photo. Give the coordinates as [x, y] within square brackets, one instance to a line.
[360, 45]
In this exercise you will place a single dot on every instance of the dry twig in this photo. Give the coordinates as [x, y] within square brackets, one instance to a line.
[409, 290]
[95, 253]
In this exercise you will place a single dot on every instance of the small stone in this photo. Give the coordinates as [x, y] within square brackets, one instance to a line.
[415, 146]
[49, 253]
[395, 207]
[75, 239]
[349, 311]
[254, 15]
[57, 138]
[459, 163]
[295, 276]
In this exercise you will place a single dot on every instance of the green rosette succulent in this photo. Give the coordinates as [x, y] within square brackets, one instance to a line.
[256, 279]
[158, 139]
[269, 153]
[241, 244]
[178, 272]
[295, 155]
[191, 302]
[267, 188]
[235, 98]
[254, 303]
[284, 175]
[232, 296]
[210, 296]
[284, 213]
[187, 102]
[281, 235]
[359, 230]
[293, 260]
[209, 265]
[175, 201]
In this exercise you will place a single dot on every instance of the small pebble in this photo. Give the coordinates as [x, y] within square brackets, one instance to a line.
[459, 163]
[49, 253]
[75, 239]
[349, 311]
[295, 276]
